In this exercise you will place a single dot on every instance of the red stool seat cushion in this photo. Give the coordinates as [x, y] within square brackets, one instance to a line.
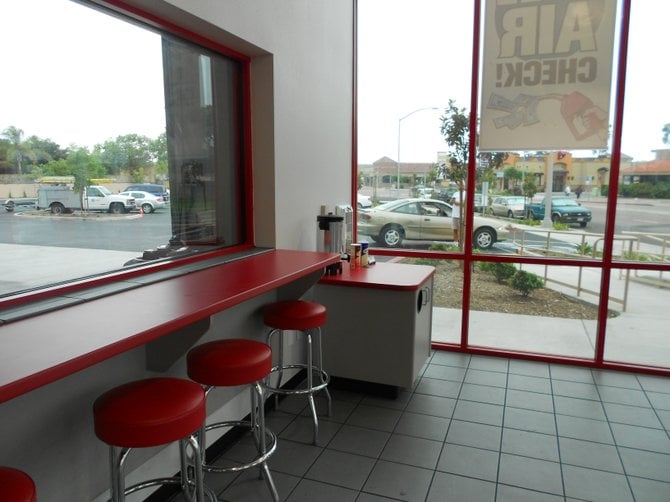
[229, 362]
[295, 314]
[16, 486]
[149, 412]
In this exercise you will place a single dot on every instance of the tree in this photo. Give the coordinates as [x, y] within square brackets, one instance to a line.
[18, 149]
[666, 134]
[130, 152]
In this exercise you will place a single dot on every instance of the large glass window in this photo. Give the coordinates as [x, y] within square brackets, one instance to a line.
[120, 145]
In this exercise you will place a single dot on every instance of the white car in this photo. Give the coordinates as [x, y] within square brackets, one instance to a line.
[146, 201]
[510, 206]
[363, 201]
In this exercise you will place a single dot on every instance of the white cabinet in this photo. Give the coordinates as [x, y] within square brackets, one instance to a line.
[379, 321]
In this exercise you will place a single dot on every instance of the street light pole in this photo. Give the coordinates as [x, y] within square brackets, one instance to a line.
[399, 122]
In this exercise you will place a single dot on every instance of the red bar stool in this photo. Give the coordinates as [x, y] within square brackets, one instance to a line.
[229, 363]
[153, 412]
[307, 318]
[16, 486]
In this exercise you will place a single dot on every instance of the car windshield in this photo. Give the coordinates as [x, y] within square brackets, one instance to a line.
[515, 200]
[105, 191]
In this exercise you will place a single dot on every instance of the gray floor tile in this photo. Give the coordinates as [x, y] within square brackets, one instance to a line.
[445, 372]
[515, 494]
[474, 434]
[341, 468]
[589, 454]
[529, 383]
[489, 363]
[374, 417]
[623, 396]
[654, 383]
[531, 473]
[432, 405]
[451, 358]
[423, 426]
[570, 373]
[659, 400]
[530, 444]
[481, 377]
[442, 388]
[584, 428]
[583, 408]
[402, 482]
[529, 420]
[293, 458]
[529, 400]
[589, 484]
[368, 497]
[468, 461]
[641, 438]
[449, 487]
[309, 491]
[529, 368]
[490, 414]
[412, 451]
[646, 464]
[483, 394]
[664, 417]
[398, 403]
[340, 410]
[648, 490]
[616, 379]
[632, 415]
[248, 487]
[360, 441]
[575, 389]
[301, 430]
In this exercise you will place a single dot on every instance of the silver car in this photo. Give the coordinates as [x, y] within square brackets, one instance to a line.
[422, 219]
[509, 206]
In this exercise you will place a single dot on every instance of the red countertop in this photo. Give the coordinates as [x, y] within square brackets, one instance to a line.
[381, 275]
[41, 349]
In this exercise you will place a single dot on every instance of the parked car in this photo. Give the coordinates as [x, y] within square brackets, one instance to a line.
[18, 204]
[444, 194]
[509, 206]
[158, 190]
[563, 210]
[146, 201]
[363, 201]
[422, 219]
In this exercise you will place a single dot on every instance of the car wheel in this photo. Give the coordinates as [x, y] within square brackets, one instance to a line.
[510, 214]
[147, 208]
[484, 238]
[392, 236]
[57, 208]
[116, 208]
[582, 224]
[555, 218]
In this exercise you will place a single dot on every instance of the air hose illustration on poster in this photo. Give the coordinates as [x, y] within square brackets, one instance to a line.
[547, 71]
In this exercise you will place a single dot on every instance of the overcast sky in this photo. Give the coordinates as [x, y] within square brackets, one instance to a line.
[413, 54]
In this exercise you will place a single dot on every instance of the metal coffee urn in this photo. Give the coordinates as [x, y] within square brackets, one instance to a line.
[330, 239]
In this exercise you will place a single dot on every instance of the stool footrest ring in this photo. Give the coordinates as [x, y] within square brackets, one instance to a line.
[260, 459]
[321, 375]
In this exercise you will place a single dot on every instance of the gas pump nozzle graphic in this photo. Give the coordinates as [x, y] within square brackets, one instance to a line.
[582, 117]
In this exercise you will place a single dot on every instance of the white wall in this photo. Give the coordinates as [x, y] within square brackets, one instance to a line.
[310, 46]
[301, 110]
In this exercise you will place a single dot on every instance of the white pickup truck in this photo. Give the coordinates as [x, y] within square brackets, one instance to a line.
[61, 199]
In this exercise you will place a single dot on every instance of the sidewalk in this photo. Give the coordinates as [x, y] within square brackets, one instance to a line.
[639, 335]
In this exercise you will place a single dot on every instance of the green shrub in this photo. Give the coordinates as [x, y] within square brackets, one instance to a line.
[502, 271]
[526, 282]
[584, 248]
[604, 190]
[561, 226]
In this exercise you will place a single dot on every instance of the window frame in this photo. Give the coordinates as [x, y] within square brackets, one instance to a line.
[150, 21]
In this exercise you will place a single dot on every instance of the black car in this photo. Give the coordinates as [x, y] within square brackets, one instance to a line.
[158, 190]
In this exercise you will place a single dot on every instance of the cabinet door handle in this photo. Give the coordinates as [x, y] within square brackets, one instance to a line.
[426, 296]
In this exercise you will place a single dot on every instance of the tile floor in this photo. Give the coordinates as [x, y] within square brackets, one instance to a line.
[475, 428]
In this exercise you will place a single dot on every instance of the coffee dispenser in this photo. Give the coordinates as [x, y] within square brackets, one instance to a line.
[330, 238]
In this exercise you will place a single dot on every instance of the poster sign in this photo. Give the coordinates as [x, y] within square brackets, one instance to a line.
[547, 71]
